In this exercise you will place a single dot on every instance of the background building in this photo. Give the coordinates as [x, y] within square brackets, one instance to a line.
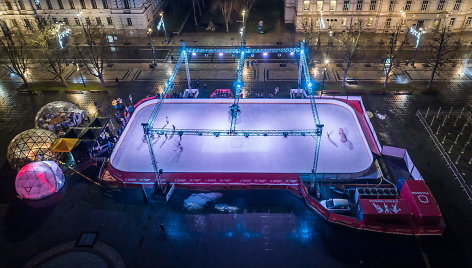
[134, 16]
[378, 15]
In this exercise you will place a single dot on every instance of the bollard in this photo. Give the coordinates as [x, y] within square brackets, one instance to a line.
[460, 115]
[427, 112]
[462, 130]
[450, 149]
[457, 159]
[439, 127]
[470, 136]
[439, 111]
[470, 161]
[457, 137]
[444, 139]
[432, 121]
[449, 112]
[444, 121]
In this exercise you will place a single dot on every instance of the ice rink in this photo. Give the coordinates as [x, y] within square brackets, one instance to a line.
[235, 154]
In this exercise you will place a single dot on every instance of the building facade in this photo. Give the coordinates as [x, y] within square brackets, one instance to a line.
[132, 16]
[378, 15]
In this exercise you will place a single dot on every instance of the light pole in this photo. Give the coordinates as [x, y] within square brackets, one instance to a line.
[418, 34]
[81, 76]
[154, 63]
[243, 29]
[324, 73]
[163, 26]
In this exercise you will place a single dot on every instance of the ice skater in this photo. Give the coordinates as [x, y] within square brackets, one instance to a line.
[167, 120]
[173, 127]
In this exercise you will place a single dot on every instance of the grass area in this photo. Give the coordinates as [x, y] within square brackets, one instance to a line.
[70, 87]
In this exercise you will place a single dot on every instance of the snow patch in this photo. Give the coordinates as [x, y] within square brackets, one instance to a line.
[198, 201]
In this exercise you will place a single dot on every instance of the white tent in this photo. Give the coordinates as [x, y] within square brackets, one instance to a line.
[39, 179]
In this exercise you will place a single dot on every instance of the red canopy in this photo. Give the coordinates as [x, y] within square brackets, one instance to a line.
[384, 209]
[419, 197]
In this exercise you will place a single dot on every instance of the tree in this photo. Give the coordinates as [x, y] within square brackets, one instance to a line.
[17, 51]
[440, 47]
[52, 40]
[350, 42]
[394, 50]
[94, 54]
[311, 33]
[227, 8]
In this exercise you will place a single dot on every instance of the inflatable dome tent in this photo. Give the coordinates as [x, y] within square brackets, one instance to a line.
[38, 180]
[57, 115]
[29, 146]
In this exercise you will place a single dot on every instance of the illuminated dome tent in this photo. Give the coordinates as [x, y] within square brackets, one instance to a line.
[53, 114]
[39, 179]
[29, 146]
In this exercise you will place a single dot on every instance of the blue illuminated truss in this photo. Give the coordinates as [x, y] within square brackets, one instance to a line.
[304, 81]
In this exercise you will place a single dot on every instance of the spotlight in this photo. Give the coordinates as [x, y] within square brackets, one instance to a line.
[252, 55]
[279, 55]
[292, 53]
[206, 54]
[221, 53]
[265, 54]
[194, 54]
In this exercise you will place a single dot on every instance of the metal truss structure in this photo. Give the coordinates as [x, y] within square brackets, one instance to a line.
[304, 81]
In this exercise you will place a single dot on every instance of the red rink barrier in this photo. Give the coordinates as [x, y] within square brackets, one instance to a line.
[342, 219]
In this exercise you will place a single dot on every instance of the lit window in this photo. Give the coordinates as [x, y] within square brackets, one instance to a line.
[359, 5]
[306, 5]
[424, 5]
[319, 5]
[346, 5]
[452, 21]
[332, 5]
[373, 4]
[344, 21]
[457, 5]
[370, 21]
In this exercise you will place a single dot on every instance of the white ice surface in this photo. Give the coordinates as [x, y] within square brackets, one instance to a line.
[294, 154]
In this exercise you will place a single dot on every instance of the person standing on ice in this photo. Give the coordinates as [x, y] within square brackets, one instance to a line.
[167, 120]
[173, 127]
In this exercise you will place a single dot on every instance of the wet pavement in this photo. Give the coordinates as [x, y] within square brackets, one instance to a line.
[270, 229]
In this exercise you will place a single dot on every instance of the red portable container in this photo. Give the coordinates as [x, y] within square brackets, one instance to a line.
[384, 210]
[423, 205]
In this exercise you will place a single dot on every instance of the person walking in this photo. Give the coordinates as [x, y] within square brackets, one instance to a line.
[173, 127]
[117, 80]
[130, 99]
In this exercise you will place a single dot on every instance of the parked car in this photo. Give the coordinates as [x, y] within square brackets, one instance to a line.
[336, 205]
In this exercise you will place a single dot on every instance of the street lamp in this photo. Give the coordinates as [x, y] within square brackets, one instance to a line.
[163, 26]
[243, 29]
[154, 63]
[418, 34]
[81, 76]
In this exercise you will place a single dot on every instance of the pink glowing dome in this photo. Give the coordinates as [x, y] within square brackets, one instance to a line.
[39, 179]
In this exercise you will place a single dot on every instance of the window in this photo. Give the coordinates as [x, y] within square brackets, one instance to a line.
[59, 2]
[346, 5]
[359, 4]
[408, 5]
[373, 4]
[43, 21]
[87, 20]
[130, 23]
[28, 24]
[8, 5]
[99, 21]
[71, 4]
[66, 21]
[82, 4]
[344, 21]
[22, 6]
[332, 5]
[48, 3]
[126, 2]
[306, 5]
[441, 4]
[38, 4]
[391, 7]
[77, 21]
[424, 5]
[370, 21]
[319, 5]
[94, 4]
[457, 5]
[452, 21]
[105, 4]
[54, 20]
[388, 22]
[468, 21]
[15, 23]
[109, 21]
